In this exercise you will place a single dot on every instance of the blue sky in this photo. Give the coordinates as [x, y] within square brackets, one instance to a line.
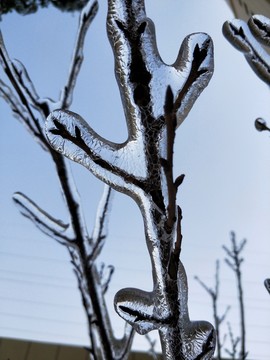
[226, 188]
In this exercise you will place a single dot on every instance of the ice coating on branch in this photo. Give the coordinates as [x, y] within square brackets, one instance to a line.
[248, 38]
[267, 284]
[22, 74]
[87, 15]
[260, 27]
[119, 165]
[156, 99]
[143, 82]
[140, 71]
[32, 110]
[49, 225]
[147, 311]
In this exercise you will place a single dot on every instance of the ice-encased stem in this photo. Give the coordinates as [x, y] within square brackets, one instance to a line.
[249, 38]
[156, 99]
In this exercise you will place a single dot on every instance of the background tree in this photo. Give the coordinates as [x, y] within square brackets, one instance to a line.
[83, 249]
[215, 295]
[234, 260]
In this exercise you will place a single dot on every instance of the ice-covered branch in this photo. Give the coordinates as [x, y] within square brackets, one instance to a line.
[26, 103]
[24, 90]
[261, 125]
[70, 135]
[105, 274]
[133, 39]
[251, 39]
[21, 113]
[138, 71]
[45, 222]
[87, 15]
[247, 38]
[156, 98]
[267, 284]
[100, 229]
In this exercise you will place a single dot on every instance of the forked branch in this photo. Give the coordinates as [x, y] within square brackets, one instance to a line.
[32, 110]
[142, 167]
[214, 294]
[234, 260]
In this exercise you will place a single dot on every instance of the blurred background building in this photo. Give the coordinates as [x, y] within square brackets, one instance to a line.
[243, 9]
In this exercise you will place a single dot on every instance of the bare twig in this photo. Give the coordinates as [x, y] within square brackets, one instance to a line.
[152, 344]
[214, 294]
[234, 261]
[234, 343]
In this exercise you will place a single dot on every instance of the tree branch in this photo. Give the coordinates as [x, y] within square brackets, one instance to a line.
[87, 15]
[46, 223]
[239, 35]
[235, 265]
[142, 166]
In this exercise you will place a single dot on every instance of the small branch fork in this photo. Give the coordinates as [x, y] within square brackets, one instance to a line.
[32, 111]
[234, 261]
[142, 167]
[234, 344]
[214, 294]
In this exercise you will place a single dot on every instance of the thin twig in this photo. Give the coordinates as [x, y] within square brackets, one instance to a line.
[234, 261]
[214, 294]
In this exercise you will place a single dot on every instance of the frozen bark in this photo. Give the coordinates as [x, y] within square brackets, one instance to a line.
[156, 99]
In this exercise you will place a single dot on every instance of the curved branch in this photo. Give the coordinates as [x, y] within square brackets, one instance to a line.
[70, 135]
[45, 222]
[239, 35]
[100, 228]
[260, 27]
[87, 15]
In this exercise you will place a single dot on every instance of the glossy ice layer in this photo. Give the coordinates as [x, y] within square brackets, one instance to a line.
[156, 99]
[249, 38]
